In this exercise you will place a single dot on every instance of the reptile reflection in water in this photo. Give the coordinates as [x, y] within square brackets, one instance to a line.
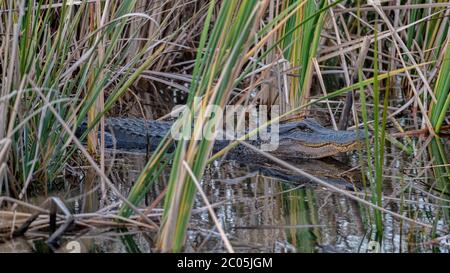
[304, 214]
[329, 170]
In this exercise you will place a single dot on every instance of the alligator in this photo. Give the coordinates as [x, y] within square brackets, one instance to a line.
[297, 139]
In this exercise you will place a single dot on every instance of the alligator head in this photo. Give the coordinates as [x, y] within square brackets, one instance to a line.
[309, 139]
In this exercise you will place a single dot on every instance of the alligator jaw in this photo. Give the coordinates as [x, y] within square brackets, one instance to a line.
[296, 149]
[308, 139]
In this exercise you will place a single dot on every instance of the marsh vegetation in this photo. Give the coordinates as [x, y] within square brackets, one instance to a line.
[379, 67]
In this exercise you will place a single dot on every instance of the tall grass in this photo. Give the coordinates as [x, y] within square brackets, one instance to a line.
[438, 114]
[77, 60]
[300, 45]
[181, 191]
[74, 54]
[441, 91]
[378, 140]
[218, 72]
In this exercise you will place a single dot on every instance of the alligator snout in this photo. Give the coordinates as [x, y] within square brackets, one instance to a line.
[309, 139]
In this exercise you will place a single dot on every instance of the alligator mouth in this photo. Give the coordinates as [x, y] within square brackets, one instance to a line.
[309, 139]
[297, 149]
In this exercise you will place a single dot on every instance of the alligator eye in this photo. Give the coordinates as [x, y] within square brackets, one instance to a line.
[304, 128]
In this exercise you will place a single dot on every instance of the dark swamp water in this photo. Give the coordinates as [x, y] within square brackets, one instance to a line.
[262, 213]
